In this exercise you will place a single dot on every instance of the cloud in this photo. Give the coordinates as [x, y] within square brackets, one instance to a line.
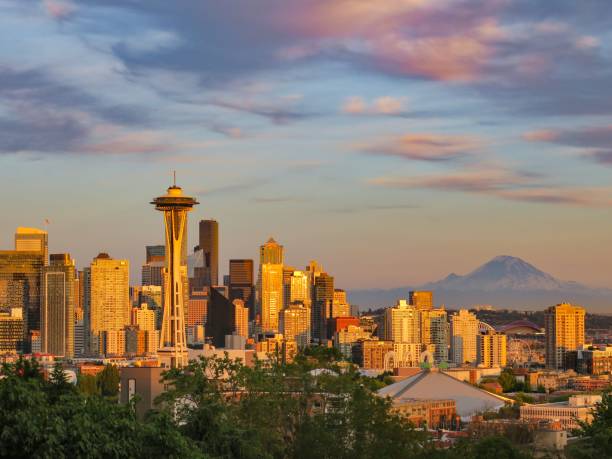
[425, 147]
[587, 137]
[354, 106]
[504, 184]
[371, 207]
[594, 141]
[385, 105]
[59, 9]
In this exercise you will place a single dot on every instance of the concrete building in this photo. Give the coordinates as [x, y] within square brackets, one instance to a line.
[340, 304]
[564, 328]
[241, 318]
[58, 297]
[295, 324]
[374, 354]
[402, 323]
[434, 329]
[421, 299]
[146, 382]
[32, 240]
[241, 285]
[577, 408]
[464, 330]
[491, 349]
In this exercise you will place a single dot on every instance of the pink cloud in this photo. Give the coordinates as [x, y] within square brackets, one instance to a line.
[354, 106]
[425, 147]
[544, 135]
[385, 105]
[59, 9]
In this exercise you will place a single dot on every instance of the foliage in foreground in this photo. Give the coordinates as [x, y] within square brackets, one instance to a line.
[271, 411]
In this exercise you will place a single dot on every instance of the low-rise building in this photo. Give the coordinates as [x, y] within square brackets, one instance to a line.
[577, 408]
[431, 413]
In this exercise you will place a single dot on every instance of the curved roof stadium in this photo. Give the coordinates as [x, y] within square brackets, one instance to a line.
[520, 327]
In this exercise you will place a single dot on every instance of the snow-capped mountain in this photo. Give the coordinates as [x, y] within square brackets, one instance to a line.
[504, 282]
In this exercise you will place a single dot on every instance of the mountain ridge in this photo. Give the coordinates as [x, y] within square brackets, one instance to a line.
[504, 281]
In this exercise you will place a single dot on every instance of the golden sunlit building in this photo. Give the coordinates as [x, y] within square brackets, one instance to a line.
[340, 305]
[295, 324]
[402, 323]
[241, 318]
[271, 290]
[421, 299]
[144, 318]
[464, 332]
[110, 300]
[564, 328]
[491, 351]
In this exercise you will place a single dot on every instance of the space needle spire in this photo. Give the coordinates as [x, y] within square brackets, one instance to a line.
[173, 342]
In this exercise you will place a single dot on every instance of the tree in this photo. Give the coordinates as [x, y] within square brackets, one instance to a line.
[507, 380]
[108, 381]
[87, 385]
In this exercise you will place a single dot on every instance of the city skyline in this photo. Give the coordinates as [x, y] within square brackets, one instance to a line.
[347, 115]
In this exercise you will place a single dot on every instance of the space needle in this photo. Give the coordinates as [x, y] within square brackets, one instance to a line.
[173, 343]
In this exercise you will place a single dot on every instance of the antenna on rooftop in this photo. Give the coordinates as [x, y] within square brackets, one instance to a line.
[174, 173]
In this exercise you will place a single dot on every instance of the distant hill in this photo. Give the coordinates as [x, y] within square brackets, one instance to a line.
[504, 282]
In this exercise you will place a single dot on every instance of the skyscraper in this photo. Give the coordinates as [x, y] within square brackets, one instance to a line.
[421, 299]
[340, 305]
[299, 289]
[20, 276]
[402, 323]
[271, 252]
[241, 318]
[491, 349]
[464, 330]
[241, 283]
[270, 285]
[434, 329]
[564, 329]
[209, 244]
[110, 299]
[295, 324]
[152, 270]
[173, 343]
[58, 298]
[322, 301]
[32, 240]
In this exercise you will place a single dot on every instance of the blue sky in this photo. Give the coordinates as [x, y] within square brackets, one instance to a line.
[394, 141]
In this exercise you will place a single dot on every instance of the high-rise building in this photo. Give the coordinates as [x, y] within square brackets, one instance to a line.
[402, 323]
[287, 273]
[434, 329]
[340, 305]
[155, 253]
[491, 352]
[271, 253]
[299, 289]
[58, 297]
[209, 244]
[270, 285]
[20, 277]
[197, 309]
[241, 283]
[564, 328]
[271, 295]
[12, 336]
[241, 318]
[110, 301]
[464, 330]
[421, 299]
[323, 297]
[295, 324]
[173, 342]
[32, 240]
[144, 318]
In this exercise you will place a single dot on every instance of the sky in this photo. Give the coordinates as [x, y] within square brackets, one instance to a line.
[394, 141]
